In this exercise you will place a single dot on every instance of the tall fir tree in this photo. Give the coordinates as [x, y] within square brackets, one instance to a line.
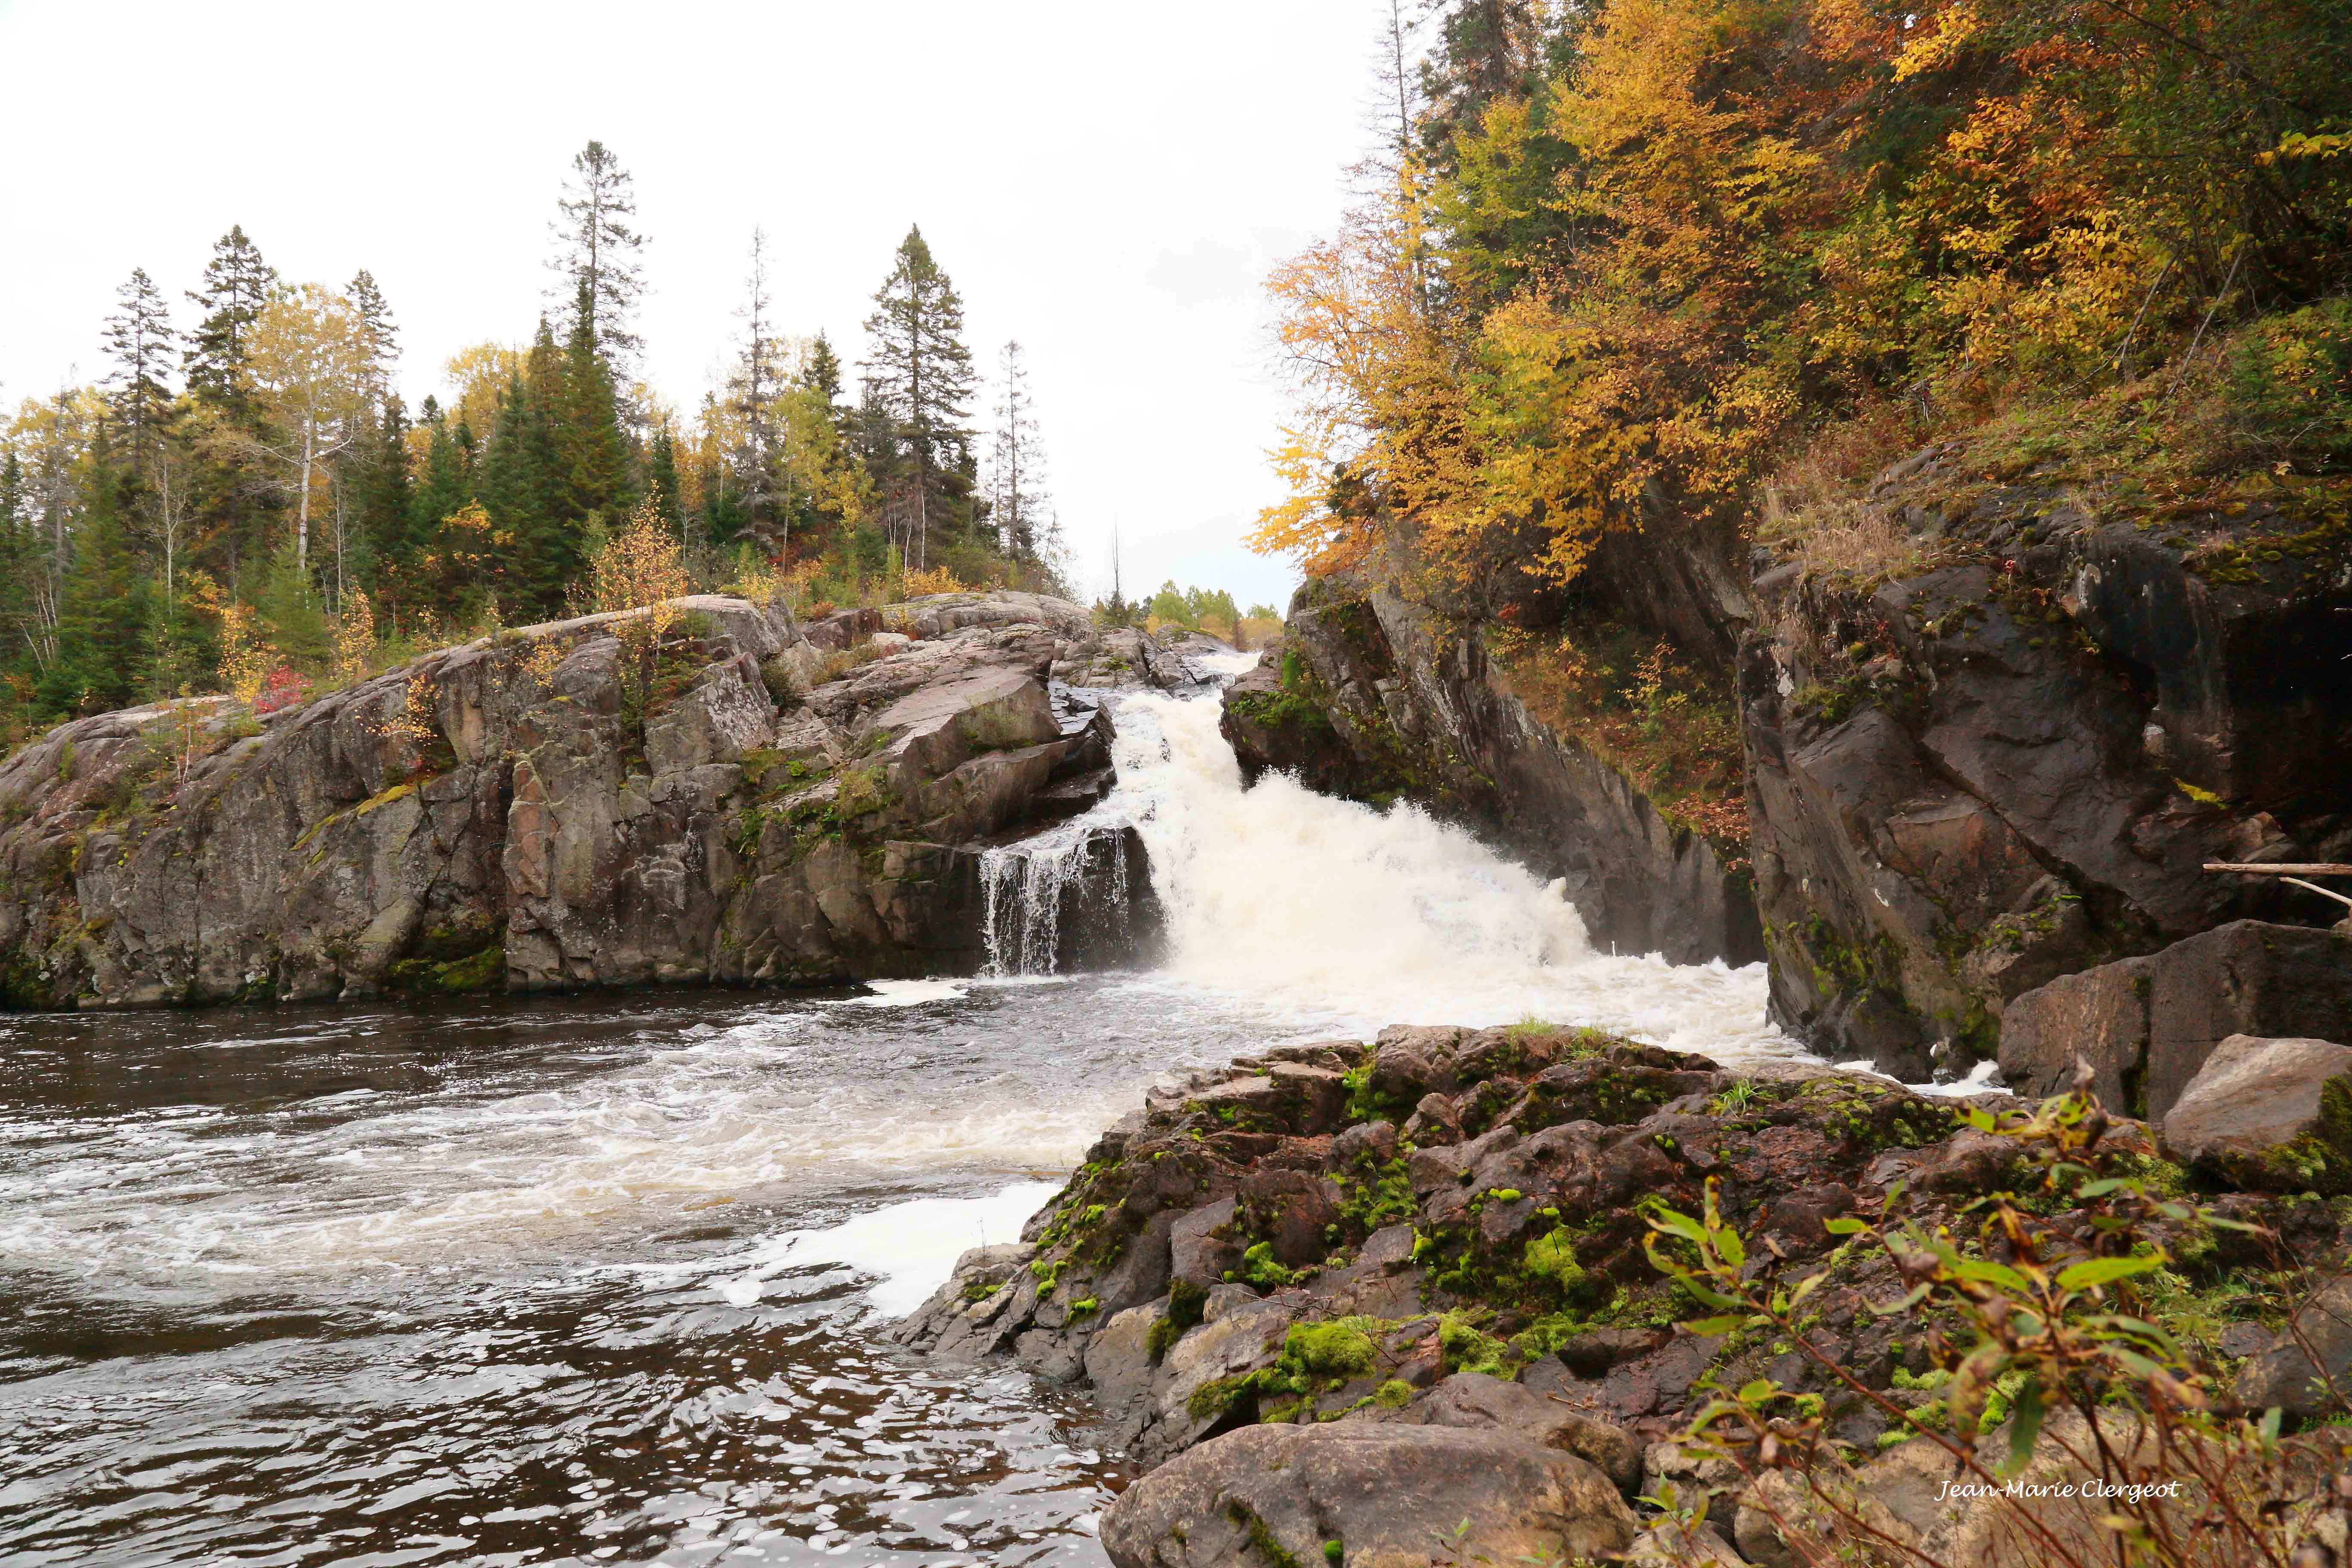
[595, 450]
[379, 333]
[1019, 502]
[597, 247]
[920, 374]
[237, 285]
[383, 498]
[523, 485]
[102, 619]
[139, 339]
[752, 389]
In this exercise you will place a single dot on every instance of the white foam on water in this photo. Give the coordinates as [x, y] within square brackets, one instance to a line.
[908, 1249]
[910, 993]
[1322, 910]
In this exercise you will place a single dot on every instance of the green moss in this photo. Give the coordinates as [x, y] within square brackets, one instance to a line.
[1259, 1269]
[1332, 1349]
[1260, 1537]
[1186, 1301]
[1466, 1348]
[1393, 1395]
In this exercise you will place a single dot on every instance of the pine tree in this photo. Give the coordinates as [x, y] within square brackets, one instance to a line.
[379, 333]
[752, 390]
[920, 374]
[383, 498]
[102, 630]
[138, 338]
[1019, 502]
[237, 285]
[662, 483]
[595, 452]
[598, 258]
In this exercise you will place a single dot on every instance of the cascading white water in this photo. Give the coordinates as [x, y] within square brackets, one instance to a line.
[1327, 913]
[1025, 889]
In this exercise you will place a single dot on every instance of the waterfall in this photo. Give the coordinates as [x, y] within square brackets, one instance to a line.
[1059, 896]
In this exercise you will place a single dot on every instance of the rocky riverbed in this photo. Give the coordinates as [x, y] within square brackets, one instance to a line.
[1391, 1302]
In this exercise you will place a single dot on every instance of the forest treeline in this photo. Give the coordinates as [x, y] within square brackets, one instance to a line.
[246, 500]
[1637, 262]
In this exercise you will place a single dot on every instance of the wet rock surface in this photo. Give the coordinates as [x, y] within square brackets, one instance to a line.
[1438, 1237]
[782, 804]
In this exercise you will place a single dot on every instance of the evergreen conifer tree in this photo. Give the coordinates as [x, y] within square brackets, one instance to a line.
[237, 285]
[379, 333]
[662, 483]
[595, 452]
[139, 339]
[102, 617]
[598, 240]
[382, 494]
[920, 376]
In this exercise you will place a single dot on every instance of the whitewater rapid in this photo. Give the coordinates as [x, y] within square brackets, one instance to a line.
[1325, 914]
[561, 1279]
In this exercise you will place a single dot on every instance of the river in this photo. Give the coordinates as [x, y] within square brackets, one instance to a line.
[597, 1279]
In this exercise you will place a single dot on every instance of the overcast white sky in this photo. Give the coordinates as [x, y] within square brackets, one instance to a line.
[1108, 183]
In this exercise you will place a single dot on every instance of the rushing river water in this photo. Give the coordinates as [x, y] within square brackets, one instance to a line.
[597, 1279]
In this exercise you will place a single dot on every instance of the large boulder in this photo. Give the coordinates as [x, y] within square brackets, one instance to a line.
[2147, 1024]
[2308, 1371]
[1388, 1496]
[2273, 1115]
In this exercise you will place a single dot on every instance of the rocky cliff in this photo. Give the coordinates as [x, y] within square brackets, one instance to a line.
[1371, 697]
[2009, 759]
[1998, 754]
[770, 803]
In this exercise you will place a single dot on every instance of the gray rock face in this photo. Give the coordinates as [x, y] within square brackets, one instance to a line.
[778, 808]
[1974, 780]
[1365, 699]
[1389, 1495]
[2268, 1114]
[2147, 1024]
[2309, 1371]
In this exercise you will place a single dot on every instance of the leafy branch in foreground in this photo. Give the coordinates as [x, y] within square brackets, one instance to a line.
[2075, 1427]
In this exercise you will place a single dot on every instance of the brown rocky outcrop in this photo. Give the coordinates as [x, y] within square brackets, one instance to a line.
[2012, 762]
[782, 806]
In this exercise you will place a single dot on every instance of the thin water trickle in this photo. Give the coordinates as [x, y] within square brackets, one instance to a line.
[595, 1279]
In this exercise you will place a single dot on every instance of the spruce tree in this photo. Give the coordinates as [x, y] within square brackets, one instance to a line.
[1019, 502]
[598, 245]
[381, 495]
[523, 485]
[139, 339]
[103, 616]
[444, 485]
[662, 482]
[752, 390]
[237, 285]
[379, 333]
[595, 452]
[920, 372]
